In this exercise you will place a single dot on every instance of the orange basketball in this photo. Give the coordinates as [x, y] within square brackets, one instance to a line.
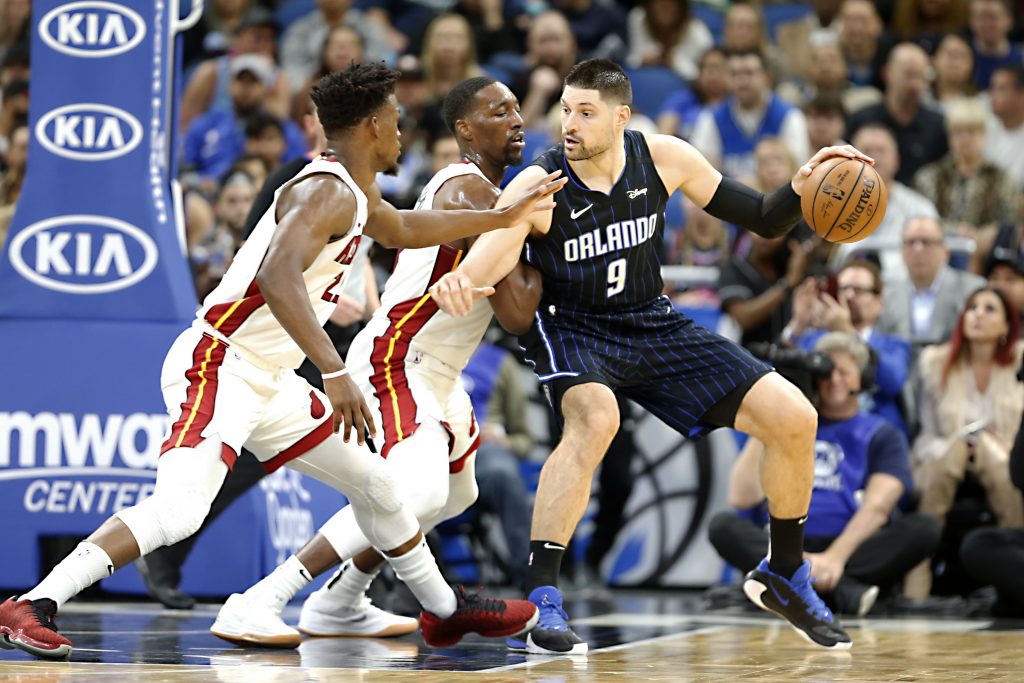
[844, 200]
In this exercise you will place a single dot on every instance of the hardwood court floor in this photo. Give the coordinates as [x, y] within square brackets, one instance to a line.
[634, 637]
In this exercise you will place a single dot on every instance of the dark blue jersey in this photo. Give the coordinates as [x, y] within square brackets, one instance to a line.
[602, 250]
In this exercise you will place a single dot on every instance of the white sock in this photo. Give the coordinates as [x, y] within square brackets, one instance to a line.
[87, 564]
[419, 571]
[349, 585]
[281, 585]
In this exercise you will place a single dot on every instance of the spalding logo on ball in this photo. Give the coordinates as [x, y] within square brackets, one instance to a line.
[844, 200]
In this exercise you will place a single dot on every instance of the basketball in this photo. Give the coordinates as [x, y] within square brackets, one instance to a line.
[844, 200]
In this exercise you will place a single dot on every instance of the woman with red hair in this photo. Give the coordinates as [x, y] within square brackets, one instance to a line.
[970, 410]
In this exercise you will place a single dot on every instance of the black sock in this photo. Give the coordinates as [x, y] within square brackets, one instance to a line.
[786, 552]
[545, 561]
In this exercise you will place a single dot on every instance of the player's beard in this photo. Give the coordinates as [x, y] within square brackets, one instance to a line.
[584, 151]
[392, 170]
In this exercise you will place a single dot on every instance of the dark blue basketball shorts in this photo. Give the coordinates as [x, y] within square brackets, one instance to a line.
[689, 377]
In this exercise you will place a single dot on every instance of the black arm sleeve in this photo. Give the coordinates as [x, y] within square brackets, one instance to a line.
[769, 215]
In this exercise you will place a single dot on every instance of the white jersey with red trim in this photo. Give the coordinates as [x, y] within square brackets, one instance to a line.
[408, 317]
[236, 310]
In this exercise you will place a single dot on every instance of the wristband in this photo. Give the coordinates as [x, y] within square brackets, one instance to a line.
[333, 375]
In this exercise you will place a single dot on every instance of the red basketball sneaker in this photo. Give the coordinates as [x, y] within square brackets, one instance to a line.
[490, 617]
[28, 624]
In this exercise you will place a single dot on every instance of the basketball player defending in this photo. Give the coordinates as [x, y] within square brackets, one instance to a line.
[604, 326]
[406, 362]
[228, 381]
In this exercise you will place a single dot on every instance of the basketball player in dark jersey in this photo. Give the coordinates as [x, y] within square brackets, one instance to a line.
[603, 327]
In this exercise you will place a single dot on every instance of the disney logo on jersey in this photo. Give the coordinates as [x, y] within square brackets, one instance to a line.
[92, 28]
[88, 132]
[611, 238]
[633, 194]
[83, 254]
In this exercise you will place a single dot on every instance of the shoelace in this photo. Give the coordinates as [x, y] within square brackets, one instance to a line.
[45, 611]
[474, 602]
[815, 605]
[547, 607]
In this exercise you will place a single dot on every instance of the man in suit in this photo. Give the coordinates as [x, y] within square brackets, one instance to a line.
[924, 306]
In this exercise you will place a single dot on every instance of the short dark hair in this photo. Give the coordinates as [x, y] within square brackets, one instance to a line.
[746, 52]
[460, 98]
[345, 98]
[1015, 70]
[826, 103]
[864, 264]
[261, 121]
[604, 76]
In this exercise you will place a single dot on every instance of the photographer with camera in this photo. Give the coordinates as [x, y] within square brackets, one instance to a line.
[856, 307]
[862, 468]
[996, 556]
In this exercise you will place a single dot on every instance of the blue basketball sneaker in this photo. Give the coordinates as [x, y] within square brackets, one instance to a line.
[551, 635]
[795, 601]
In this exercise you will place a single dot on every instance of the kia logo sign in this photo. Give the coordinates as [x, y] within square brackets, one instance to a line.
[89, 132]
[81, 254]
[92, 28]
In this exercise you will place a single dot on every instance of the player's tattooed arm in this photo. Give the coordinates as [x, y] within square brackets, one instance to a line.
[517, 296]
[493, 256]
[421, 228]
[309, 213]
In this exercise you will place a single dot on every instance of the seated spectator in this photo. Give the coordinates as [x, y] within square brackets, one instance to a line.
[745, 31]
[885, 242]
[703, 241]
[827, 73]
[919, 131]
[856, 309]
[728, 132]
[494, 29]
[599, 27]
[923, 306]
[854, 542]
[551, 53]
[343, 47]
[682, 107]
[449, 55]
[925, 22]
[863, 42]
[13, 110]
[970, 408]
[301, 44]
[968, 191]
[756, 291]
[13, 176]
[991, 21]
[216, 139]
[215, 250]
[494, 382]
[211, 36]
[665, 33]
[1005, 138]
[953, 66]
[996, 556]
[403, 22]
[1005, 272]
[826, 121]
[15, 20]
[265, 140]
[208, 89]
[256, 167]
[15, 65]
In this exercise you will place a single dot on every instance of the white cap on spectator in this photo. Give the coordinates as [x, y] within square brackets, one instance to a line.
[259, 66]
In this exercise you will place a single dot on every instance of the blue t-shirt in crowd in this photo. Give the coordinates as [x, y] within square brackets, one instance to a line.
[216, 139]
[685, 104]
[846, 454]
[985, 65]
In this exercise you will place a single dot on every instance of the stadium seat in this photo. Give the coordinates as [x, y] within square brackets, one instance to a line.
[651, 87]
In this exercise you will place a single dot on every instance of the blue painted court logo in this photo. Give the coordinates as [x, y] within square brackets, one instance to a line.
[88, 132]
[92, 29]
[83, 254]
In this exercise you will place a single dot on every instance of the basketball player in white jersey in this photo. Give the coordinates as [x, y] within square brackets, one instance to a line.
[407, 361]
[228, 381]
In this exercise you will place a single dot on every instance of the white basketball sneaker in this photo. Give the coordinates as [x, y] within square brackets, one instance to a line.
[244, 621]
[323, 617]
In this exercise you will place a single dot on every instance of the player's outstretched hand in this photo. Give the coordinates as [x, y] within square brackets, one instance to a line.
[350, 409]
[456, 294]
[536, 198]
[824, 154]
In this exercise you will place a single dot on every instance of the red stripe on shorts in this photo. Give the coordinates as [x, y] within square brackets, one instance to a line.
[300, 447]
[197, 409]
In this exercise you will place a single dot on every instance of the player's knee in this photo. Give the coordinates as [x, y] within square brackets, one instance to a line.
[380, 490]
[164, 519]
[427, 502]
[594, 427]
[461, 496]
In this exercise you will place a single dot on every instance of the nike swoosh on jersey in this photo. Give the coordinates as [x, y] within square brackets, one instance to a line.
[576, 214]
